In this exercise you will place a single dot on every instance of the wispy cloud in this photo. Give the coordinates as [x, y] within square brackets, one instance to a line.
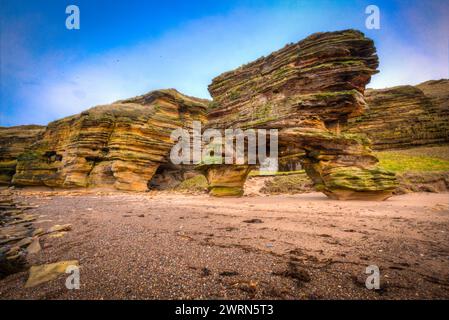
[187, 59]
[415, 47]
[60, 83]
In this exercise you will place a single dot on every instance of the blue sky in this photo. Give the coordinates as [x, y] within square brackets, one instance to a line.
[127, 48]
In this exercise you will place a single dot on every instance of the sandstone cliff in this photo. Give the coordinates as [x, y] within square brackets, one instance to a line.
[13, 141]
[405, 116]
[308, 91]
[438, 92]
[119, 145]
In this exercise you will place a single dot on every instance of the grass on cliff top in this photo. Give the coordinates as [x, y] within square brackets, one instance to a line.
[422, 159]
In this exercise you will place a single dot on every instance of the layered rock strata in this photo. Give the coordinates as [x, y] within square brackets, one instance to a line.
[16, 234]
[405, 116]
[120, 145]
[307, 91]
[438, 92]
[13, 141]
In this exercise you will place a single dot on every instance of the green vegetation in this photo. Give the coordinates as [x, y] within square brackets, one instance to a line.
[256, 173]
[440, 152]
[288, 182]
[332, 94]
[428, 159]
[335, 64]
[29, 156]
[195, 184]
[355, 178]
[263, 111]
[255, 123]
[226, 192]
[213, 105]
[234, 94]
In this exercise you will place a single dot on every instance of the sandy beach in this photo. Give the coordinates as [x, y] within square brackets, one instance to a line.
[172, 246]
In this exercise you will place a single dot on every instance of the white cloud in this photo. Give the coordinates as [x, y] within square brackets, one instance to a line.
[417, 51]
[187, 58]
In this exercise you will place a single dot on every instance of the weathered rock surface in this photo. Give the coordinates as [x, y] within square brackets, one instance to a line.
[169, 176]
[226, 180]
[47, 272]
[408, 182]
[435, 182]
[16, 234]
[307, 91]
[13, 141]
[438, 92]
[119, 145]
[405, 116]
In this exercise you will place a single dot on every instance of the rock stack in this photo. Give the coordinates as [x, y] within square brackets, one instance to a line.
[308, 91]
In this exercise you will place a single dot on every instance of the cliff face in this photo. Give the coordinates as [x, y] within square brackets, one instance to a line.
[13, 141]
[323, 76]
[307, 90]
[438, 93]
[405, 116]
[119, 145]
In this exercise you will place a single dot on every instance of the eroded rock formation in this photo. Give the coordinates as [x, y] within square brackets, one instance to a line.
[438, 92]
[119, 145]
[307, 91]
[405, 116]
[13, 141]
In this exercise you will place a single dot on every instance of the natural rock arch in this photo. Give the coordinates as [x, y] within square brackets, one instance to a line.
[307, 91]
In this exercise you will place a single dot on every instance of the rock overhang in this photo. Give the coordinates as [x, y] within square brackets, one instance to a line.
[307, 90]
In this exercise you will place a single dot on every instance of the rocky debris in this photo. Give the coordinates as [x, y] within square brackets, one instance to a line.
[59, 228]
[34, 247]
[228, 273]
[253, 221]
[38, 232]
[120, 145]
[57, 235]
[405, 116]
[16, 234]
[47, 272]
[105, 243]
[295, 272]
[205, 272]
[308, 91]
